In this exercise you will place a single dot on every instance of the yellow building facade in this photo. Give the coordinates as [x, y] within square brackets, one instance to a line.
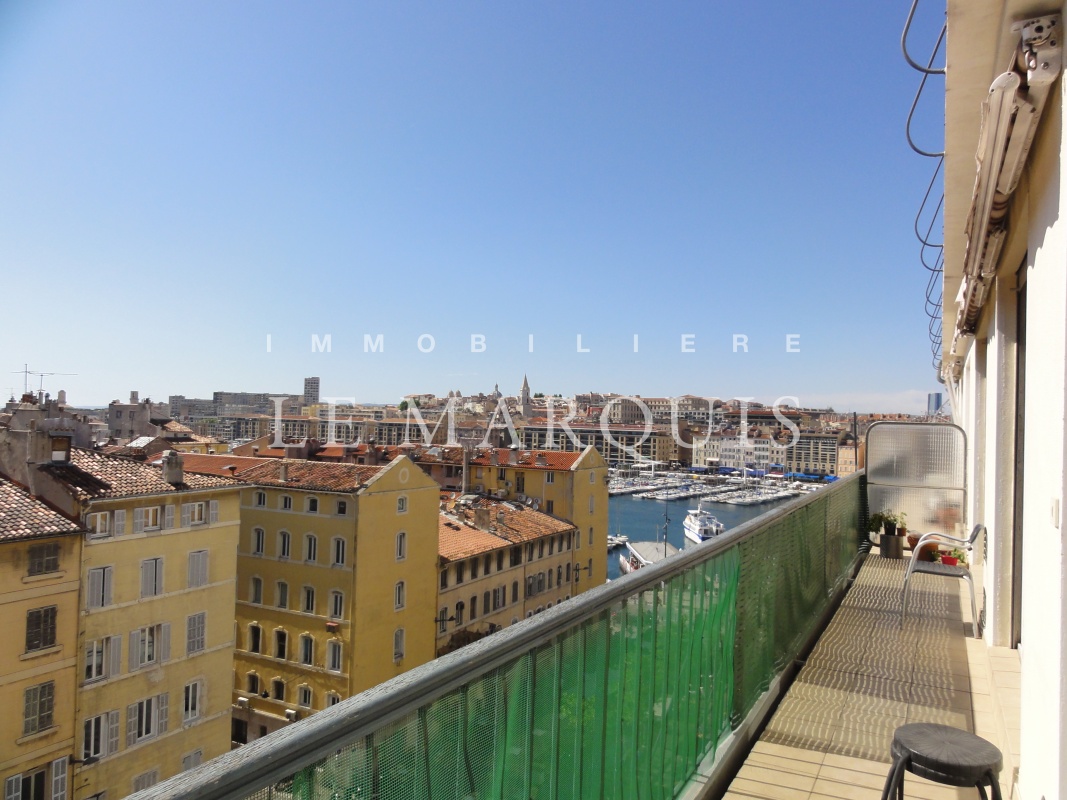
[336, 586]
[39, 568]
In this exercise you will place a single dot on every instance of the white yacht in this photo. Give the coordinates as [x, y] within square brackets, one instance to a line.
[700, 524]
[641, 554]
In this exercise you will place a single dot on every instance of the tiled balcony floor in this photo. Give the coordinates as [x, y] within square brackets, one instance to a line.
[831, 734]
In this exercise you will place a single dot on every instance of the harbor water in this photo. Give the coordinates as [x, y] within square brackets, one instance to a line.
[642, 520]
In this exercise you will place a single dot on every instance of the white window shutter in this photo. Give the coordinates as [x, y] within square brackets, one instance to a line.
[168, 517]
[120, 522]
[148, 574]
[112, 732]
[213, 511]
[115, 667]
[163, 709]
[13, 788]
[135, 648]
[190, 579]
[164, 636]
[138, 520]
[203, 567]
[159, 575]
[96, 587]
[59, 779]
[107, 586]
[186, 514]
[131, 724]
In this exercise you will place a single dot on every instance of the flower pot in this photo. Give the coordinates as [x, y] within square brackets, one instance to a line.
[889, 528]
[929, 550]
[950, 561]
[891, 546]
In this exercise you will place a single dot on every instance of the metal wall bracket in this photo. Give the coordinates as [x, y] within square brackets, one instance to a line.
[1042, 48]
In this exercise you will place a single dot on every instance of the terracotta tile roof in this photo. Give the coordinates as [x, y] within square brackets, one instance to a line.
[456, 541]
[173, 426]
[314, 475]
[508, 523]
[528, 459]
[25, 517]
[91, 474]
[217, 464]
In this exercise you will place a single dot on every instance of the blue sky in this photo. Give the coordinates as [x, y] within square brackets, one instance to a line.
[179, 181]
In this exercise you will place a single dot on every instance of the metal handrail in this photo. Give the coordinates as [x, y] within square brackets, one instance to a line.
[266, 761]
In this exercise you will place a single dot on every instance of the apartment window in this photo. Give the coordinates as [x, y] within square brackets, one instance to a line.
[530, 551]
[307, 649]
[550, 477]
[257, 590]
[461, 569]
[99, 524]
[197, 573]
[195, 632]
[278, 689]
[40, 628]
[44, 558]
[146, 519]
[100, 735]
[151, 577]
[474, 568]
[333, 656]
[401, 546]
[255, 639]
[313, 505]
[311, 548]
[342, 508]
[514, 591]
[591, 499]
[37, 708]
[304, 696]
[253, 683]
[287, 502]
[398, 596]
[338, 552]
[149, 645]
[485, 602]
[260, 499]
[559, 575]
[337, 604]
[309, 600]
[194, 514]
[474, 607]
[550, 579]
[282, 594]
[459, 613]
[401, 505]
[541, 549]
[281, 642]
[102, 658]
[551, 546]
[398, 644]
[590, 537]
[499, 561]
[146, 718]
[501, 473]
[99, 587]
[194, 694]
[516, 557]
[191, 760]
[145, 780]
[444, 578]
[332, 699]
[549, 507]
[540, 582]
[284, 544]
[259, 537]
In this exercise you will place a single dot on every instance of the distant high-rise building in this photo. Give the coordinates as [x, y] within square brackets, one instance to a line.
[311, 391]
[933, 403]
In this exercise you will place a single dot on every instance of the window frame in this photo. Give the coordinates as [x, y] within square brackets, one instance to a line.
[41, 628]
[41, 557]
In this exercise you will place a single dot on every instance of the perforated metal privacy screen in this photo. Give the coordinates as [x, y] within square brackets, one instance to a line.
[919, 469]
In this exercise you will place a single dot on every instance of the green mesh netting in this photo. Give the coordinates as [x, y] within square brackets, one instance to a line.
[625, 704]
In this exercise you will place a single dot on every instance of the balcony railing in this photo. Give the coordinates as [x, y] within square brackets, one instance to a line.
[626, 690]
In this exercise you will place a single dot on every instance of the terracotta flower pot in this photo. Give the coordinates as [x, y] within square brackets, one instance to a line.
[949, 561]
[929, 550]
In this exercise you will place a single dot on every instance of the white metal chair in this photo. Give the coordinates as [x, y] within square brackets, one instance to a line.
[937, 568]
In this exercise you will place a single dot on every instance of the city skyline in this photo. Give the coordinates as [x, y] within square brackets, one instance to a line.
[252, 174]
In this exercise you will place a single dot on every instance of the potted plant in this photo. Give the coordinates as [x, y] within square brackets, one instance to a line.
[902, 523]
[953, 558]
[891, 544]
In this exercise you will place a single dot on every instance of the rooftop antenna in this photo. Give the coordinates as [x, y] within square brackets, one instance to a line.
[42, 375]
[27, 372]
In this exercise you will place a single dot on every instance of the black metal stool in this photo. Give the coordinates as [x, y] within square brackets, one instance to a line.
[945, 755]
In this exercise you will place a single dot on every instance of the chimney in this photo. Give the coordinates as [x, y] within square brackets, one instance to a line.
[61, 398]
[493, 458]
[283, 471]
[513, 455]
[133, 398]
[541, 461]
[500, 516]
[481, 518]
[172, 468]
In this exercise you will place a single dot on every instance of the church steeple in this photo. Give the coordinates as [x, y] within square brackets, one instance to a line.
[525, 406]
